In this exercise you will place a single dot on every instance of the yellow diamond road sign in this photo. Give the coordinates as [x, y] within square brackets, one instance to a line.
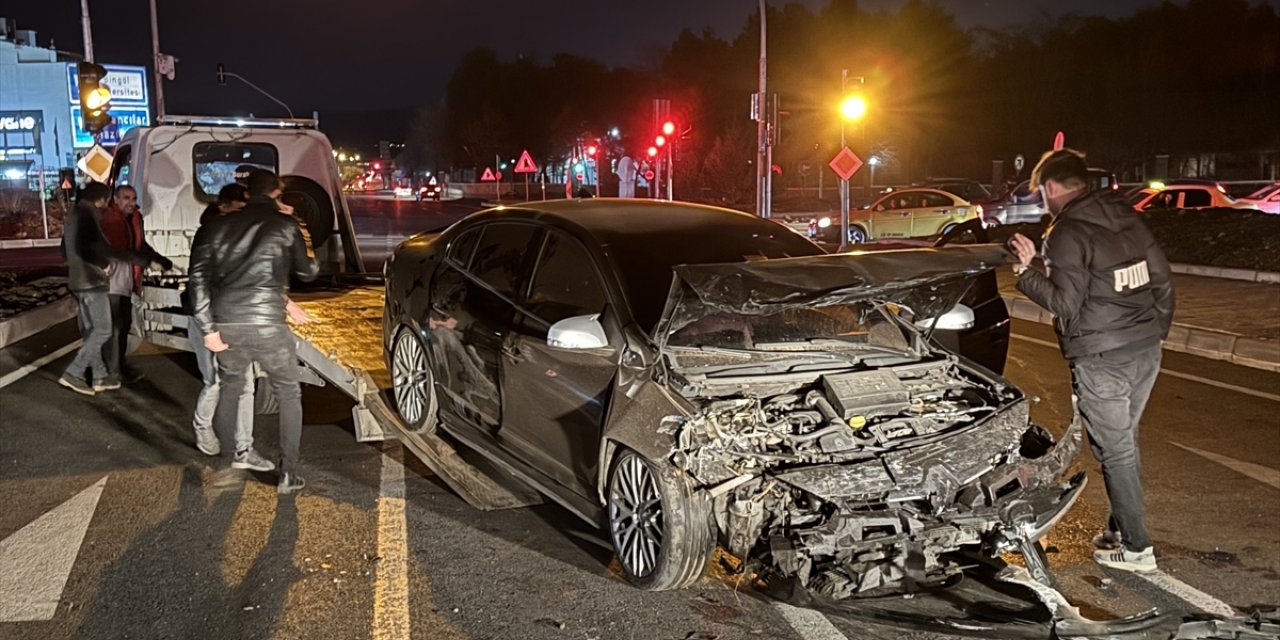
[96, 164]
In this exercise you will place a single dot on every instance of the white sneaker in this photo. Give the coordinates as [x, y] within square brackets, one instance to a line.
[207, 441]
[1141, 561]
[251, 460]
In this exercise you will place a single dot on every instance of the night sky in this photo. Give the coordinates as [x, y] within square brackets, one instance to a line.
[349, 56]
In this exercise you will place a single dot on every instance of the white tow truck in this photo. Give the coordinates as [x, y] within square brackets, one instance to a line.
[179, 166]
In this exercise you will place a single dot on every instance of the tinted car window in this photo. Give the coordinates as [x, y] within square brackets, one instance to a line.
[500, 259]
[566, 283]
[1196, 198]
[461, 248]
[934, 200]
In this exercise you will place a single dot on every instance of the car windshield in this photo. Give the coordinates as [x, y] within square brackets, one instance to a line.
[1264, 192]
[644, 257]
[854, 325]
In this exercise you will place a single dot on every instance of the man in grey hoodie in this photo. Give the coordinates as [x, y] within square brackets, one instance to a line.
[1109, 288]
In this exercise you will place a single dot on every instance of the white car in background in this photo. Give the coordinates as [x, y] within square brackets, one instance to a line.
[1266, 199]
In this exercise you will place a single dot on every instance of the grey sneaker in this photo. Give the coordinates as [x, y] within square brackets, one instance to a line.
[1107, 540]
[108, 383]
[207, 441]
[1141, 561]
[251, 460]
[76, 384]
[290, 483]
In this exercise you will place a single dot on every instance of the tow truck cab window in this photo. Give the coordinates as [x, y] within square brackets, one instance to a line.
[218, 164]
[120, 167]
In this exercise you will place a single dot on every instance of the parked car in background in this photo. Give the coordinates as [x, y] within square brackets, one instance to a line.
[968, 190]
[1024, 206]
[1186, 195]
[432, 190]
[1266, 199]
[906, 213]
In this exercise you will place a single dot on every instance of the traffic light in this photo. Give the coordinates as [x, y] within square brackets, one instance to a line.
[653, 152]
[668, 128]
[591, 150]
[95, 96]
[660, 141]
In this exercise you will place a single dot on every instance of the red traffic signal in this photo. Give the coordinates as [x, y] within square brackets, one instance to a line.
[377, 166]
[668, 127]
[653, 151]
[591, 150]
[660, 141]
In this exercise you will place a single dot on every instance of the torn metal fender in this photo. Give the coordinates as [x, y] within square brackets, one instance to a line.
[634, 423]
[1070, 624]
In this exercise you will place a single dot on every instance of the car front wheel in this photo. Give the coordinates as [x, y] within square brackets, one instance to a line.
[411, 381]
[661, 530]
[857, 234]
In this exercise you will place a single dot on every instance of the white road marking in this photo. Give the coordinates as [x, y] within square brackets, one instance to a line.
[25, 370]
[391, 588]
[1188, 594]
[1178, 374]
[810, 624]
[1265, 475]
[36, 561]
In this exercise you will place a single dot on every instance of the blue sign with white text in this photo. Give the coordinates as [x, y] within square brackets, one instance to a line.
[128, 84]
[122, 119]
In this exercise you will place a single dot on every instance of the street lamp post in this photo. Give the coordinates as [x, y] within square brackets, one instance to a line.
[851, 108]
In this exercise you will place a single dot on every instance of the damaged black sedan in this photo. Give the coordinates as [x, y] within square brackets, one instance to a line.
[688, 377]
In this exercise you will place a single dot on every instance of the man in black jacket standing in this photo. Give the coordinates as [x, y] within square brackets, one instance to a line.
[1108, 286]
[240, 270]
[89, 261]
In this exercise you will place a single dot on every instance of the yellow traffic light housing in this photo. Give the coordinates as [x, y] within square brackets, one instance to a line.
[95, 96]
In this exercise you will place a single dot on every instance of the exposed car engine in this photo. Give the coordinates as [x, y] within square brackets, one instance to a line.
[861, 482]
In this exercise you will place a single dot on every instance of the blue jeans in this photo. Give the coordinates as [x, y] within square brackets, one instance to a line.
[95, 326]
[1111, 391]
[207, 401]
[272, 348]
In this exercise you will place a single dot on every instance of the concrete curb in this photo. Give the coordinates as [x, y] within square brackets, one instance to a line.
[28, 323]
[1206, 343]
[29, 243]
[1247, 275]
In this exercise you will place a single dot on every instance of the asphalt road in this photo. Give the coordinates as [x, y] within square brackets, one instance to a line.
[114, 526]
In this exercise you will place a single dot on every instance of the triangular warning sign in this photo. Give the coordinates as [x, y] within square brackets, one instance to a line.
[66, 184]
[525, 164]
[488, 175]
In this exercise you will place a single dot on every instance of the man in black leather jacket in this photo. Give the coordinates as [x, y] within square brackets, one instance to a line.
[239, 278]
[1108, 286]
[89, 261]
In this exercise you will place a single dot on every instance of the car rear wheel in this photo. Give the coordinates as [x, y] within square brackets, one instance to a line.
[411, 382]
[661, 530]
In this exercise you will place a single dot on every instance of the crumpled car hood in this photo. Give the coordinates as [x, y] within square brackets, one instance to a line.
[769, 286]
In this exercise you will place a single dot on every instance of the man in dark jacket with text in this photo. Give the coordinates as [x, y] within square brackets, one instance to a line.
[1108, 286]
[240, 270]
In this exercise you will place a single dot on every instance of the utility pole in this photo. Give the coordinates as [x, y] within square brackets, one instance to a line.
[88, 31]
[761, 113]
[155, 62]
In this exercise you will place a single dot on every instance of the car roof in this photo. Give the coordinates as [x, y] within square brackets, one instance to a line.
[604, 217]
[957, 199]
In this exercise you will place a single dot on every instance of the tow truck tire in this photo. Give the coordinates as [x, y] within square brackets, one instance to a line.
[312, 205]
[412, 383]
[661, 528]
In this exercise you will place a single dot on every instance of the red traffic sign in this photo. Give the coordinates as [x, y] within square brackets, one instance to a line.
[1058, 141]
[525, 164]
[846, 163]
[488, 175]
[648, 175]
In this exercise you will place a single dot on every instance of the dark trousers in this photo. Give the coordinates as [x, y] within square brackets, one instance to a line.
[1111, 391]
[272, 347]
[121, 322]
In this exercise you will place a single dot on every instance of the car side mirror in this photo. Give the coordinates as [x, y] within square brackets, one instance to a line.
[959, 318]
[578, 333]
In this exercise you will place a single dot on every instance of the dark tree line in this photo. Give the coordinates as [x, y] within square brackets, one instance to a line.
[1179, 79]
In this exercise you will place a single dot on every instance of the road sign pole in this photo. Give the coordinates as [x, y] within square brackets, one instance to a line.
[844, 182]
